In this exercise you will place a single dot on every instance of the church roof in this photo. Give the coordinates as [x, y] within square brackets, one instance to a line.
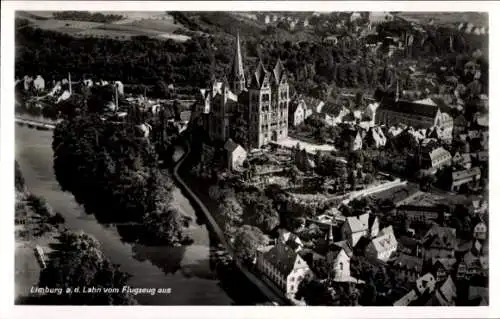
[278, 71]
[409, 107]
[259, 75]
[238, 72]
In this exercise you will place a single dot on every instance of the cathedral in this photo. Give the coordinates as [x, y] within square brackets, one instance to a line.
[263, 100]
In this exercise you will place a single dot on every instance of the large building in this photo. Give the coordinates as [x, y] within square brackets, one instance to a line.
[264, 102]
[414, 114]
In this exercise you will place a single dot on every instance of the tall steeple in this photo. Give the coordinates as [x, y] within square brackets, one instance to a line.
[237, 73]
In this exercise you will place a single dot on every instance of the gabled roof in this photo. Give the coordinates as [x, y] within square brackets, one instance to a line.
[230, 145]
[278, 71]
[441, 237]
[480, 293]
[447, 263]
[458, 175]
[358, 223]
[409, 107]
[438, 152]
[344, 244]
[384, 242]
[447, 293]
[425, 283]
[259, 76]
[407, 262]
[282, 257]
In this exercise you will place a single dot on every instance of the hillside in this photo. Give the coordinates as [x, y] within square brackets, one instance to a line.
[128, 24]
[446, 18]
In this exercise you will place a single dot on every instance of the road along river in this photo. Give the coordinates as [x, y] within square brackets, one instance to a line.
[189, 271]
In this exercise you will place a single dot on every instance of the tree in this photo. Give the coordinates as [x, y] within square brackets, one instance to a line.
[231, 213]
[79, 262]
[246, 241]
[239, 129]
[19, 179]
[261, 213]
[165, 227]
[315, 293]
[162, 89]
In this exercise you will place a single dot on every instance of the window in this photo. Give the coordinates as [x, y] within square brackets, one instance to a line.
[341, 266]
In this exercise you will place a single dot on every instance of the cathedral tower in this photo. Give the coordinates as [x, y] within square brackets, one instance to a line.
[237, 76]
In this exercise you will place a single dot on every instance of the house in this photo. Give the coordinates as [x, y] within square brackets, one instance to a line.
[479, 296]
[479, 207]
[297, 112]
[39, 83]
[463, 160]
[290, 239]
[332, 39]
[379, 17]
[356, 227]
[407, 268]
[283, 266]
[469, 176]
[425, 284]
[421, 213]
[446, 295]
[236, 154]
[345, 246]
[439, 242]
[417, 115]
[437, 158]
[357, 143]
[409, 246]
[479, 232]
[383, 246]
[339, 264]
[482, 156]
[459, 125]
[442, 267]
[472, 264]
[375, 137]
[407, 299]
[355, 16]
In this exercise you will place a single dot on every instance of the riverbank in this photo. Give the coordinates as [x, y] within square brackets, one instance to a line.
[202, 200]
[189, 271]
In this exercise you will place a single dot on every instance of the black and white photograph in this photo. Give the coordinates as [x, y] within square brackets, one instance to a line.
[251, 158]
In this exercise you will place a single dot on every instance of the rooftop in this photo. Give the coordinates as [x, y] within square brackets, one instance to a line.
[409, 107]
[309, 147]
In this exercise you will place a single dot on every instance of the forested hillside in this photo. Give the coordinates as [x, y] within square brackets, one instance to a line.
[315, 66]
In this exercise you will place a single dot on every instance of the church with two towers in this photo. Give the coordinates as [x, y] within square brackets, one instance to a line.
[263, 99]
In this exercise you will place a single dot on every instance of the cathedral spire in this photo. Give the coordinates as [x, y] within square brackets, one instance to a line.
[238, 73]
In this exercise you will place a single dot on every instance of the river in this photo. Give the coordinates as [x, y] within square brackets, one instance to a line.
[188, 270]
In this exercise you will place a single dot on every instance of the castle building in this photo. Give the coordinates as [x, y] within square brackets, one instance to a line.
[264, 103]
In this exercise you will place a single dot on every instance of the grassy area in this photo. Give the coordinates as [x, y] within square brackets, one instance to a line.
[154, 24]
[32, 229]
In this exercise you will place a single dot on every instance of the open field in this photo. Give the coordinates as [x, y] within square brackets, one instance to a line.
[447, 18]
[153, 24]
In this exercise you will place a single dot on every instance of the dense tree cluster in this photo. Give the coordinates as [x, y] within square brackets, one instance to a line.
[113, 171]
[19, 178]
[315, 66]
[80, 262]
[246, 241]
[86, 16]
